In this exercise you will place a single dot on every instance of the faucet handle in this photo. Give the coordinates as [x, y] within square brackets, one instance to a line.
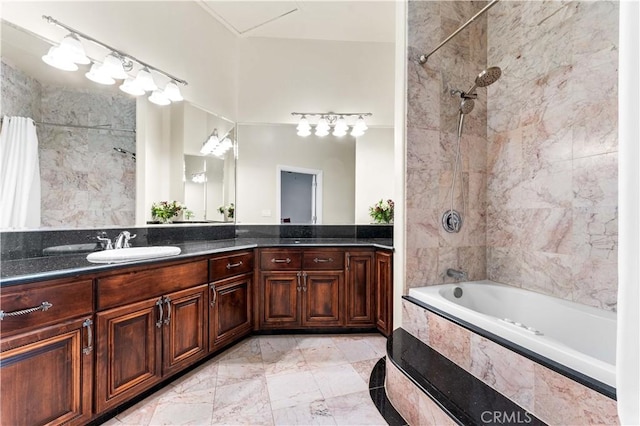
[127, 238]
[104, 241]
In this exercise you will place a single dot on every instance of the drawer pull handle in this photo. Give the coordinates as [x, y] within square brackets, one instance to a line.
[87, 324]
[234, 265]
[215, 295]
[304, 286]
[159, 305]
[287, 260]
[167, 300]
[44, 306]
[298, 275]
[320, 260]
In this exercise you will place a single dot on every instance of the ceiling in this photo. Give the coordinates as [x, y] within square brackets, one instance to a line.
[358, 21]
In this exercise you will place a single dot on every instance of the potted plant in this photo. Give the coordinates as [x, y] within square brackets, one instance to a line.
[165, 211]
[382, 211]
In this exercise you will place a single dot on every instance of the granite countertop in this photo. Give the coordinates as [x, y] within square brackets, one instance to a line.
[20, 271]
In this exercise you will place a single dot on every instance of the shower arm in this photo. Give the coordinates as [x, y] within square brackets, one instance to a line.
[423, 58]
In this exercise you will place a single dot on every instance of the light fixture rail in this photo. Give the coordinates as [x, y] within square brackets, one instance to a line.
[54, 21]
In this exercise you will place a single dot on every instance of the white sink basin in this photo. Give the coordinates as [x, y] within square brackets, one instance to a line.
[132, 253]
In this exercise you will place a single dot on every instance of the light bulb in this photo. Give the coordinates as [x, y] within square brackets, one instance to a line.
[303, 128]
[322, 128]
[58, 59]
[113, 67]
[144, 80]
[172, 92]
[159, 98]
[71, 47]
[360, 125]
[97, 75]
[355, 132]
[129, 86]
[340, 129]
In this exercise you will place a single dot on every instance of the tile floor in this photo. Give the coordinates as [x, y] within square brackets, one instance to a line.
[272, 380]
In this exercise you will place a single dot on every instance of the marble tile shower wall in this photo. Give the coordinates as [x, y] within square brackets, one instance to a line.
[540, 147]
[432, 123]
[85, 183]
[552, 140]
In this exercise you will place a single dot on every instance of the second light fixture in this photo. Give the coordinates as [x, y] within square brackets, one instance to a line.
[332, 120]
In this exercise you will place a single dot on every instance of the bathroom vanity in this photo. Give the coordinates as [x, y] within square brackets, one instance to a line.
[78, 346]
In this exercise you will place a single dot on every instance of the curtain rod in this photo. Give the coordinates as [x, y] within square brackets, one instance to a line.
[76, 126]
[423, 58]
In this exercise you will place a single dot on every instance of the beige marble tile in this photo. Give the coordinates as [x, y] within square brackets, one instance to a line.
[291, 389]
[450, 340]
[323, 356]
[431, 414]
[182, 412]
[507, 372]
[402, 394]
[338, 380]
[312, 413]
[414, 321]
[245, 402]
[232, 370]
[364, 368]
[354, 409]
[355, 348]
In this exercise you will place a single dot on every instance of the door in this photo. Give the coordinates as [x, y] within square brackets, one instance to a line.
[128, 354]
[280, 298]
[299, 195]
[321, 293]
[360, 295]
[230, 310]
[384, 293]
[184, 324]
[47, 377]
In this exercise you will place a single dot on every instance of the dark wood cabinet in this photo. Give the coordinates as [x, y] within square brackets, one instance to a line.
[46, 375]
[230, 310]
[360, 304]
[46, 353]
[185, 329]
[301, 288]
[384, 291]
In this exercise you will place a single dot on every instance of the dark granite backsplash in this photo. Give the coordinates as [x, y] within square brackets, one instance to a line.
[31, 244]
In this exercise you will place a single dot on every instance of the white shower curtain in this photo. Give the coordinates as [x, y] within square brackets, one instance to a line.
[19, 174]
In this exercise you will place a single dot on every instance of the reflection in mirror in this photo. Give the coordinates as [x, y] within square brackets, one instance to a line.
[86, 137]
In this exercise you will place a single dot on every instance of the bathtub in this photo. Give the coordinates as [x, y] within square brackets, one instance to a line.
[579, 337]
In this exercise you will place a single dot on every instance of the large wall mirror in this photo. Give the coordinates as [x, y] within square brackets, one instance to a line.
[88, 146]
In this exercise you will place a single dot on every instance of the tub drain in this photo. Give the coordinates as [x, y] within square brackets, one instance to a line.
[457, 292]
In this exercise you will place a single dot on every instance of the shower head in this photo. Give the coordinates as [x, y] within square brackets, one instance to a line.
[466, 106]
[486, 77]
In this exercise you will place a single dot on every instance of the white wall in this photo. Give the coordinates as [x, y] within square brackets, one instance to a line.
[178, 37]
[280, 76]
[374, 171]
[263, 147]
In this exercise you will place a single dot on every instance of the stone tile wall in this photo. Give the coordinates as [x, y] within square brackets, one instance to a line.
[539, 149]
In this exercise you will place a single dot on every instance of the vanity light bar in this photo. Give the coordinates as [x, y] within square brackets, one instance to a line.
[122, 54]
[329, 119]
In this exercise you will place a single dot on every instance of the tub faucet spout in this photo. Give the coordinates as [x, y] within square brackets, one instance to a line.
[458, 275]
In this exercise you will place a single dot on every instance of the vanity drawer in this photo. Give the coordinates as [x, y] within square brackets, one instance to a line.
[280, 260]
[68, 299]
[230, 265]
[137, 285]
[323, 259]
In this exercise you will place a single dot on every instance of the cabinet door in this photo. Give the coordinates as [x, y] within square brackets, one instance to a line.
[321, 293]
[384, 292]
[47, 377]
[230, 310]
[128, 353]
[360, 294]
[184, 326]
[280, 295]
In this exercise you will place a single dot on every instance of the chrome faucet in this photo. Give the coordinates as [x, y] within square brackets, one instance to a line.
[122, 240]
[456, 274]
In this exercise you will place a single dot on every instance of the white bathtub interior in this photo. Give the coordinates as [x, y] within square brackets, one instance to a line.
[579, 337]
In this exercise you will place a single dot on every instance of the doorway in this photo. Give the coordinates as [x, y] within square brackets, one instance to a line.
[299, 195]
